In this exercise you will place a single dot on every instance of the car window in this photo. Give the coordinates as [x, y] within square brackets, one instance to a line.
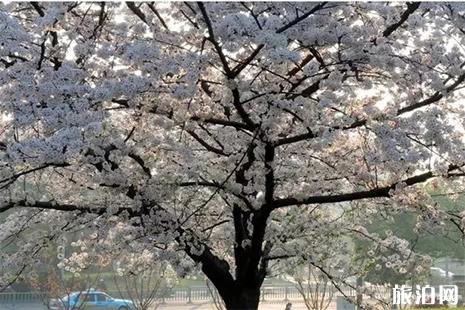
[87, 297]
[101, 297]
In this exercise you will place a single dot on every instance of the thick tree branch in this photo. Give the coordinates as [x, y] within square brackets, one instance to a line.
[311, 135]
[301, 17]
[211, 227]
[53, 205]
[434, 98]
[380, 192]
[48, 205]
[212, 39]
[229, 73]
[240, 234]
[216, 269]
[38, 8]
[8, 181]
[359, 123]
[310, 90]
[219, 121]
[243, 64]
[137, 11]
[269, 176]
[259, 221]
[218, 186]
[240, 109]
[207, 146]
[169, 114]
[141, 163]
[157, 14]
[411, 8]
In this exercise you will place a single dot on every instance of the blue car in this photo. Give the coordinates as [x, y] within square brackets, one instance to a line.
[90, 300]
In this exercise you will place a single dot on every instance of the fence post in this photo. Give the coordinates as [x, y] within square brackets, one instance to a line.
[285, 294]
[189, 295]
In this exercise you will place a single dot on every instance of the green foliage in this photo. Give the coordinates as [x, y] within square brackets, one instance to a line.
[438, 243]
[442, 241]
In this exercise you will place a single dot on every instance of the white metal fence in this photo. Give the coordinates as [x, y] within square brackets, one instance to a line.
[178, 295]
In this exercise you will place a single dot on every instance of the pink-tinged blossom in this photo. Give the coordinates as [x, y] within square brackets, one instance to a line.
[227, 137]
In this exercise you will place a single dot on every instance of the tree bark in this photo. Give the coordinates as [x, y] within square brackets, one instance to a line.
[241, 298]
[243, 292]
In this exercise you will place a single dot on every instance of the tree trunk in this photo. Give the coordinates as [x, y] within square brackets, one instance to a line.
[243, 298]
[359, 285]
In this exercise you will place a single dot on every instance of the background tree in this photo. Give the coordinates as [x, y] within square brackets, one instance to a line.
[55, 287]
[143, 281]
[443, 240]
[54, 291]
[215, 130]
[315, 288]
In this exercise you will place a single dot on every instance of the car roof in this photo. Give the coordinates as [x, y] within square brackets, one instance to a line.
[88, 292]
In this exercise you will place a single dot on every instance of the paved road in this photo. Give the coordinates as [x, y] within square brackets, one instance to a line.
[197, 306]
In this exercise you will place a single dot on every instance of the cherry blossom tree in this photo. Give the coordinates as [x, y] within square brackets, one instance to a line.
[226, 136]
